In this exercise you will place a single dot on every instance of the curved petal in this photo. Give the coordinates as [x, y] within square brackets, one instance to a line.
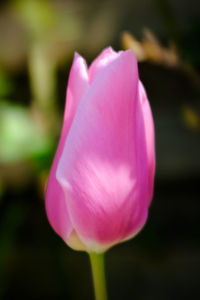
[102, 169]
[104, 58]
[56, 208]
[77, 87]
[150, 138]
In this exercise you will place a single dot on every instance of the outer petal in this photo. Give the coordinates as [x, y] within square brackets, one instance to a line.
[102, 169]
[55, 199]
[77, 87]
[150, 138]
[105, 58]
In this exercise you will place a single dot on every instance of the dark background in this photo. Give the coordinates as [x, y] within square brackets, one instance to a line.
[37, 42]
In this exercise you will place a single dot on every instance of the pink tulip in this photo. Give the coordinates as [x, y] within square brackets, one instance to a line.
[101, 181]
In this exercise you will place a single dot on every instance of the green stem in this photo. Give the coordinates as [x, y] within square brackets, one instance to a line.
[98, 274]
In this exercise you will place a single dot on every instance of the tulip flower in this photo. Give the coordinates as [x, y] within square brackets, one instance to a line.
[101, 181]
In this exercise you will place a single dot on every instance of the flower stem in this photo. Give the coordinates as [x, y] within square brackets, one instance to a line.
[98, 274]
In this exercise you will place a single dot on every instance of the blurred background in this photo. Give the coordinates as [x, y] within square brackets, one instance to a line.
[37, 42]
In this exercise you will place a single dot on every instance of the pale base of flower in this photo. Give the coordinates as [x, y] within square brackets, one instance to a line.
[76, 243]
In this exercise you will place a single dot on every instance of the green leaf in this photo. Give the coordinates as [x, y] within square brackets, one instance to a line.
[20, 136]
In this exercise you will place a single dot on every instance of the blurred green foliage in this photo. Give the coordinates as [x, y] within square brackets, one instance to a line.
[20, 137]
[6, 85]
[37, 16]
[44, 22]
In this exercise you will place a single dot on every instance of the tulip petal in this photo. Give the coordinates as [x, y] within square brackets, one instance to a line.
[103, 167]
[150, 138]
[56, 208]
[105, 58]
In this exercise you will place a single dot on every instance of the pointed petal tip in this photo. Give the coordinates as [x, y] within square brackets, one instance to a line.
[78, 57]
[108, 50]
[79, 65]
[129, 54]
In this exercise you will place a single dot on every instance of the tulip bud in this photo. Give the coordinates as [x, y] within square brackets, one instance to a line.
[101, 181]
